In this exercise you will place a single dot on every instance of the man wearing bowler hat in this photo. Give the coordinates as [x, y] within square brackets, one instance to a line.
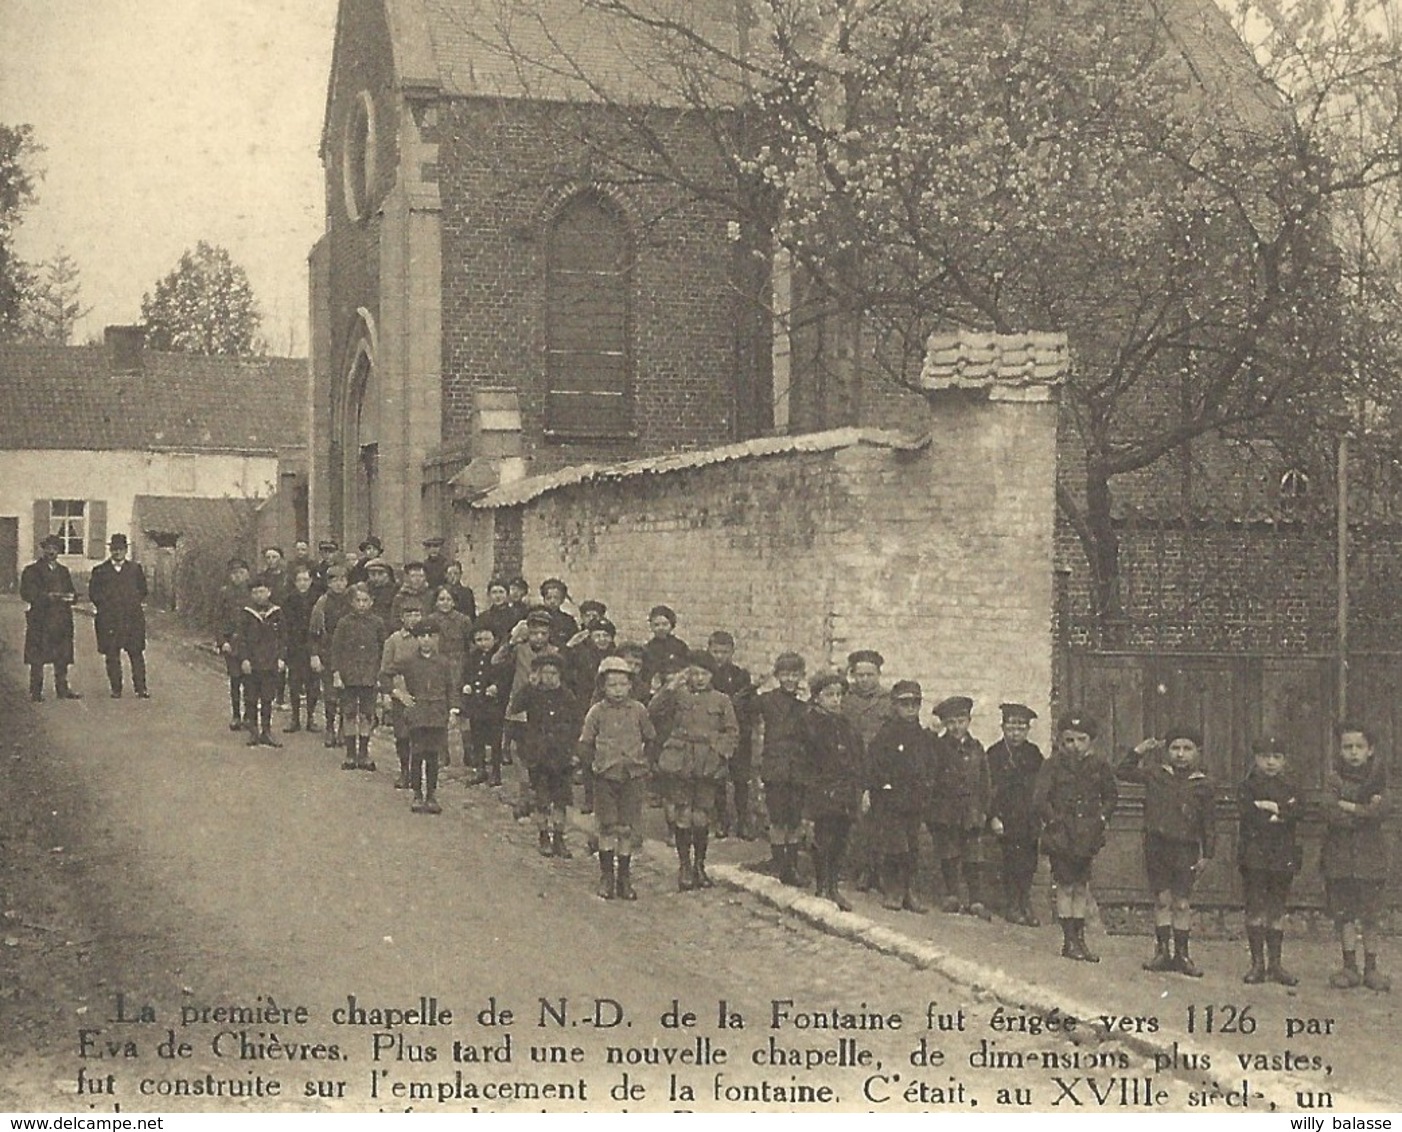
[48, 623]
[117, 589]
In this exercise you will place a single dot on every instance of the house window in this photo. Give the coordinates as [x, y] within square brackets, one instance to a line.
[589, 367]
[68, 520]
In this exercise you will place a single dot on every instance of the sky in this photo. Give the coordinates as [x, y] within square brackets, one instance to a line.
[167, 122]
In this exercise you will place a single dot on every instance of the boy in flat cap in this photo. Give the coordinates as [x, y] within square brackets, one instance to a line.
[958, 805]
[899, 765]
[370, 550]
[563, 626]
[780, 715]
[529, 639]
[1074, 800]
[399, 646]
[1268, 855]
[834, 772]
[330, 607]
[614, 743]
[663, 651]
[735, 682]
[548, 747]
[1179, 836]
[697, 730]
[1013, 764]
[380, 581]
[435, 565]
[426, 689]
[328, 554]
[233, 596]
[357, 647]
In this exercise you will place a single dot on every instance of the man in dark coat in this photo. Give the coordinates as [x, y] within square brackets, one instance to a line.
[48, 624]
[117, 588]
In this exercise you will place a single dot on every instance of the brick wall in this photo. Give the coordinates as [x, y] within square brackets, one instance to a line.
[504, 168]
[940, 557]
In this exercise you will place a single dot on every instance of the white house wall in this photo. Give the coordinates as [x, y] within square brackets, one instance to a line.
[118, 478]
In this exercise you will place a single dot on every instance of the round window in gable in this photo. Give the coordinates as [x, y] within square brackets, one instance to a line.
[358, 156]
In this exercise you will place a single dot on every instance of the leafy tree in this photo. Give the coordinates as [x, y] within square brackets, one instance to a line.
[204, 306]
[1130, 173]
[54, 304]
[17, 177]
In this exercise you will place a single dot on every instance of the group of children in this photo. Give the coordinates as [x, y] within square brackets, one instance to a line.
[849, 773]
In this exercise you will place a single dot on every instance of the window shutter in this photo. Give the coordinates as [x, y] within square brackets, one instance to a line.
[97, 528]
[41, 523]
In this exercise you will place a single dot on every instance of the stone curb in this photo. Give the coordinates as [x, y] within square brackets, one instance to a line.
[1279, 1087]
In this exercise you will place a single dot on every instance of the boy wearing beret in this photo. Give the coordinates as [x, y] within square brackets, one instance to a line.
[697, 729]
[780, 715]
[958, 804]
[899, 763]
[1179, 836]
[1013, 763]
[549, 741]
[834, 773]
[1268, 855]
[1074, 799]
[614, 742]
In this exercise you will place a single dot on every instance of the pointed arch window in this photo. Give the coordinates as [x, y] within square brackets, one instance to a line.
[589, 363]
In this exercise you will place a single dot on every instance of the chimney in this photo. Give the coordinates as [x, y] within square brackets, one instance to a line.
[124, 348]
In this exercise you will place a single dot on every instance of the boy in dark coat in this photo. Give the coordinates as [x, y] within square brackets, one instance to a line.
[1268, 855]
[735, 682]
[662, 652]
[548, 748]
[426, 688]
[867, 705]
[1179, 836]
[330, 607]
[486, 686]
[356, 650]
[780, 716]
[117, 589]
[958, 805]
[1355, 854]
[302, 683]
[1013, 764]
[834, 772]
[900, 761]
[48, 622]
[464, 600]
[454, 639]
[563, 626]
[232, 598]
[1074, 799]
[499, 616]
[260, 647]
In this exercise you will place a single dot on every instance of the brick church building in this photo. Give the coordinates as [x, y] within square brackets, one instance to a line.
[483, 303]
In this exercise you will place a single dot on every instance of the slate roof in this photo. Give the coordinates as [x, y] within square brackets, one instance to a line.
[68, 397]
[542, 49]
[523, 491]
[220, 522]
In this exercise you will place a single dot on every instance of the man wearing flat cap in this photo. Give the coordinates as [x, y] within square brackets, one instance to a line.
[48, 623]
[1013, 763]
[117, 589]
[435, 564]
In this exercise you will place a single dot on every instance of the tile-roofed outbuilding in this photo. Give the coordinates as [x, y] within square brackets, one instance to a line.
[224, 521]
[69, 397]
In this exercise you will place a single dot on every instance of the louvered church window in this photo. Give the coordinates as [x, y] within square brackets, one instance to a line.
[589, 366]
